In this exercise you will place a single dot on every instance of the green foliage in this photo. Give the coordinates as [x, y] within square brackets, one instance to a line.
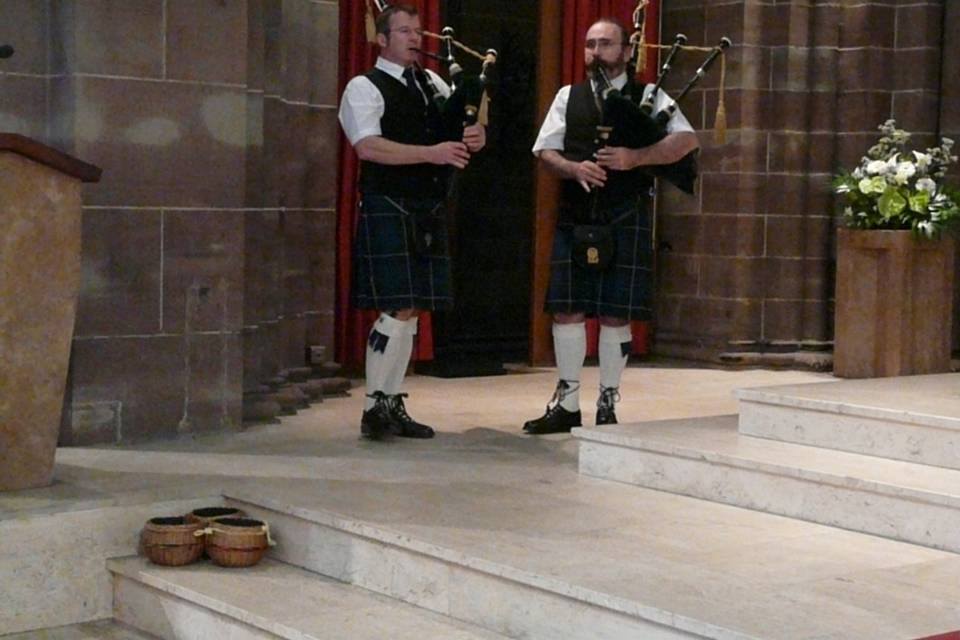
[898, 188]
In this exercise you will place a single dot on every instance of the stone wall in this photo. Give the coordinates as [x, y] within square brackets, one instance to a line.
[208, 245]
[747, 265]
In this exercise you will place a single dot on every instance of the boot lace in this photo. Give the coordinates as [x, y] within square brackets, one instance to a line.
[608, 397]
[564, 389]
[398, 408]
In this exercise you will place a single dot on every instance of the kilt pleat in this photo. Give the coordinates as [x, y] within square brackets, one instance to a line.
[388, 275]
[624, 289]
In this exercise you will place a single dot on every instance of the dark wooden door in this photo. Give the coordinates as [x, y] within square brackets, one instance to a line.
[493, 202]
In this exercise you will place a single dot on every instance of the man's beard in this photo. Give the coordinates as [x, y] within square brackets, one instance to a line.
[610, 69]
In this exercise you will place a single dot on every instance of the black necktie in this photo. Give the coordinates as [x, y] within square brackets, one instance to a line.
[412, 84]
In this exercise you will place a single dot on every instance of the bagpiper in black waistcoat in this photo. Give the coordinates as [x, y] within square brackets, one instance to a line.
[407, 120]
[580, 143]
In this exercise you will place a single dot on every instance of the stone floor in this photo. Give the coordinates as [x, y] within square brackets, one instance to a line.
[483, 489]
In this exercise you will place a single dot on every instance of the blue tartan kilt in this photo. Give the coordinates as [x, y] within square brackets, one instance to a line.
[388, 273]
[624, 289]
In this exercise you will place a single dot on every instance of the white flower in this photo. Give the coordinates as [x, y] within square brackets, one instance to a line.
[875, 168]
[923, 160]
[865, 185]
[848, 211]
[858, 173]
[928, 185]
[926, 228]
[904, 172]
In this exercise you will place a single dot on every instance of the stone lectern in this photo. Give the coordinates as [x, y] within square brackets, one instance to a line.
[39, 282]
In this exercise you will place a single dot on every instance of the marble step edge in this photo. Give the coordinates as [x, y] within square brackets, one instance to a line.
[124, 567]
[778, 398]
[649, 443]
[200, 490]
[296, 584]
[498, 571]
[106, 629]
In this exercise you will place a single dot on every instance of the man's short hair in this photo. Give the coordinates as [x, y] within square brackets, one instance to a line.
[383, 20]
[624, 34]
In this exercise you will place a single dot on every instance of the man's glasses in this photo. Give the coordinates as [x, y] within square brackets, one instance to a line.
[601, 43]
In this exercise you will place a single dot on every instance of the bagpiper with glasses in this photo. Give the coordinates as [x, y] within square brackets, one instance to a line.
[613, 279]
[401, 259]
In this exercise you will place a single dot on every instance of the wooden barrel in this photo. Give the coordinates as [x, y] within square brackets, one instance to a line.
[172, 541]
[237, 542]
[206, 515]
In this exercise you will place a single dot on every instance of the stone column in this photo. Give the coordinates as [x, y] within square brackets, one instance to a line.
[747, 266]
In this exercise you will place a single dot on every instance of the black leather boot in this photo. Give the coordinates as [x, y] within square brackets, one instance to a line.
[556, 419]
[609, 396]
[377, 421]
[405, 426]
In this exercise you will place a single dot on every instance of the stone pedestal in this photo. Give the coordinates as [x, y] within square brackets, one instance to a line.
[39, 280]
[893, 304]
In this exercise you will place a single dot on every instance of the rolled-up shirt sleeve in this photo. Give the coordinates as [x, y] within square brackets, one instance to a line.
[678, 122]
[554, 127]
[361, 109]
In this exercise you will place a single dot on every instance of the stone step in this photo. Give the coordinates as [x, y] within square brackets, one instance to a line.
[507, 600]
[271, 600]
[99, 630]
[53, 561]
[912, 418]
[605, 561]
[708, 458]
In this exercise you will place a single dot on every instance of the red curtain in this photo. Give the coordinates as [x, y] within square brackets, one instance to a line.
[357, 56]
[578, 15]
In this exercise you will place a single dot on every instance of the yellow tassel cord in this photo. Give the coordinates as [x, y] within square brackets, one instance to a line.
[371, 25]
[642, 57]
[720, 121]
[639, 38]
[483, 116]
[456, 43]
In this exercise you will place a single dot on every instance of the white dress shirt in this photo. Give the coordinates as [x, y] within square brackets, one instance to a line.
[363, 106]
[554, 126]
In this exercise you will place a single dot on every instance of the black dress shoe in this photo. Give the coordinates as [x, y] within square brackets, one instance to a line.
[609, 396]
[377, 421]
[404, 425]
[606, 415]
[555, 420]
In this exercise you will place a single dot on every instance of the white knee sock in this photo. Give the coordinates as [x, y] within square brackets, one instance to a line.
[385, 347]
[614, 351]
[396, 374]
[570, 348]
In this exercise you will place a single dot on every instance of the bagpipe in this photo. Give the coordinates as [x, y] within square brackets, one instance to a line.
[631, 122]
[469, 100]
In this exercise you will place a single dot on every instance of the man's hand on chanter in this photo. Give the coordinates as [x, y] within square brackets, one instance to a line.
[453, 153]
[475, 137]
[590, 174]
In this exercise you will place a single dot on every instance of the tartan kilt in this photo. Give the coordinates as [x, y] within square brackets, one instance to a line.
[624, 289]
[388, 274]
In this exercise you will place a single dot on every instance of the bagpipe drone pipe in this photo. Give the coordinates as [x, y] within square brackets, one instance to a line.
[468, 103]
[636, 126]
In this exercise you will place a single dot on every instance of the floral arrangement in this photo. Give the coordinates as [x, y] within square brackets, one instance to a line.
[896, 188]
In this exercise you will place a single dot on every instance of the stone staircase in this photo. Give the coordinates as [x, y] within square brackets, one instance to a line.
[689, 540]
[875, 456]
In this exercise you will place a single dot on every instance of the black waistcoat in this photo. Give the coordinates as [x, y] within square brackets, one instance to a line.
[580, 143]
[407, 119]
